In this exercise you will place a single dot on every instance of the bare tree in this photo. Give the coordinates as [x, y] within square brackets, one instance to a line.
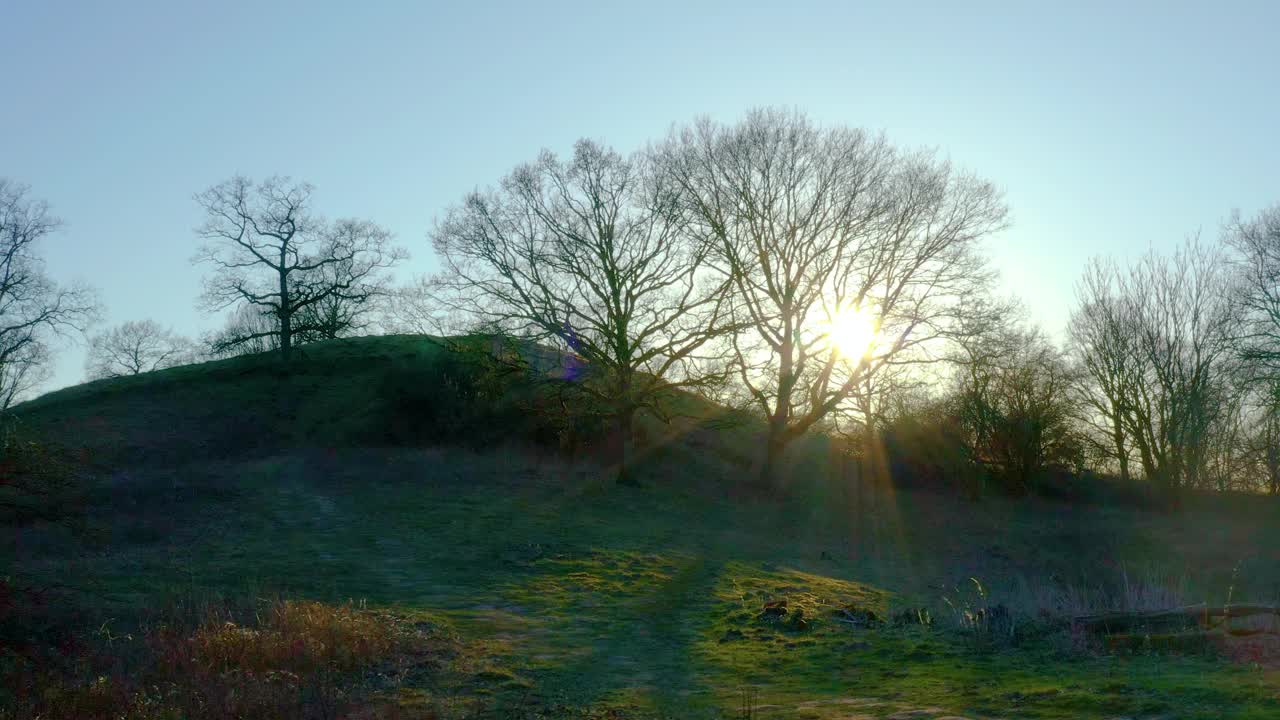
[1155, 342]
[814, 224]
[1255, 256]
[1104, 340]
[23, 372]
[248, 330]
[413, 309]
[1262, 444]
[1256, 246]
[136, 347]
[32, 305]
[339, 314]
[270, 251]
[591, 256]
[1230, 460]
[1014, 404]
[252, 329]
[1184, 304]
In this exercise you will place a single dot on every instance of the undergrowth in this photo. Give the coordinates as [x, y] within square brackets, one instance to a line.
[290, 659]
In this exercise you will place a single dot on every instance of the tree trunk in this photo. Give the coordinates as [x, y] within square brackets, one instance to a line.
[1149, 467]
[874, 465]
[1171, 473]
[776, 443]
[1122, 455]
[286, 336]
[623, 431]
[774, 448]
[1273, 469]
[286, 308]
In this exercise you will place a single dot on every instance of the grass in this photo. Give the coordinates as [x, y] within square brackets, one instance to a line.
[568, 597]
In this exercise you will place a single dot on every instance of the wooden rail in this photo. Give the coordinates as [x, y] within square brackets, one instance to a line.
[1203, 616]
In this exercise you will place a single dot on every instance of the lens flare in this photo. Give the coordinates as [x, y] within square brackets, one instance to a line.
[852, 332]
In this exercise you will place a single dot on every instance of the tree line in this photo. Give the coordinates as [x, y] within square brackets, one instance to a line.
[727, 259]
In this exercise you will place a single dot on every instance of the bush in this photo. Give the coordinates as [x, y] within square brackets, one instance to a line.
[468, 396]
[925, 451]
[455, 398]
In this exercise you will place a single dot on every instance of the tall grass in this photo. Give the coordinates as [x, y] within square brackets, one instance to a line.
[1036, 607]
[983, 622]
[1125, 590]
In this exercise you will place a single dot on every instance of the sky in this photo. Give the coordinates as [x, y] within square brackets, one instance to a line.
[1111, 127]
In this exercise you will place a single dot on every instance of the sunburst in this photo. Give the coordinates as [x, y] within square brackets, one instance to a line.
[852, 332]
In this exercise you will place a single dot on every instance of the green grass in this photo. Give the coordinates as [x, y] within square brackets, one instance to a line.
[576, 597]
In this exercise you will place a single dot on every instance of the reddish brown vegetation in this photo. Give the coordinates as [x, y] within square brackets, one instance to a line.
[295, 659]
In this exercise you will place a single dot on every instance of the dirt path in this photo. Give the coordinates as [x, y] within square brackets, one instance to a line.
[646, 653]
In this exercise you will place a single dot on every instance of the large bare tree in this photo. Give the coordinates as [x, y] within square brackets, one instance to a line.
[269, 249]
[1262, 441]
[1155, 340]
[1184, 303]
[814, 224]
[590, 255]
[1103, 333]
[135, 347]
[32, 305]
[251, 329]
[1256, 246]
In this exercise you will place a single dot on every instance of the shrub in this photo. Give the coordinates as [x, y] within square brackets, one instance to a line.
[470, 396]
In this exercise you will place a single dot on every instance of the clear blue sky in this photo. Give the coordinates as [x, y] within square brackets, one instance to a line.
[1111, 126]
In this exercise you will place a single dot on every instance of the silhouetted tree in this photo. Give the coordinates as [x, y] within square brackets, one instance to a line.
[811, 223]
[1014, 404]
[31, 304]
[1256, 246]
[1230, 462]
[270, 251]
[23, 371]
[248, 330]
[1104, 341]
[1262, 443]
[1156, 345]
[1184, 305]
[413, 309]
[589, 254]
[1255, 256]
[252, 329]
[136, 347]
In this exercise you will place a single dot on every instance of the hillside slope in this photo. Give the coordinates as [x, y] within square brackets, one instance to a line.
[575, 598]
[338, 393]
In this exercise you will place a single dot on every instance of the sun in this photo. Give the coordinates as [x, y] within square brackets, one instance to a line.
[852, 332]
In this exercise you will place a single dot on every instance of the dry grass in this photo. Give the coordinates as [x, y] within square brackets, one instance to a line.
[295, 660]
[297, 637]
[1127, 590]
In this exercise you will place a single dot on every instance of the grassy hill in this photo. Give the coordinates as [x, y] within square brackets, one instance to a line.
[536, 588]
